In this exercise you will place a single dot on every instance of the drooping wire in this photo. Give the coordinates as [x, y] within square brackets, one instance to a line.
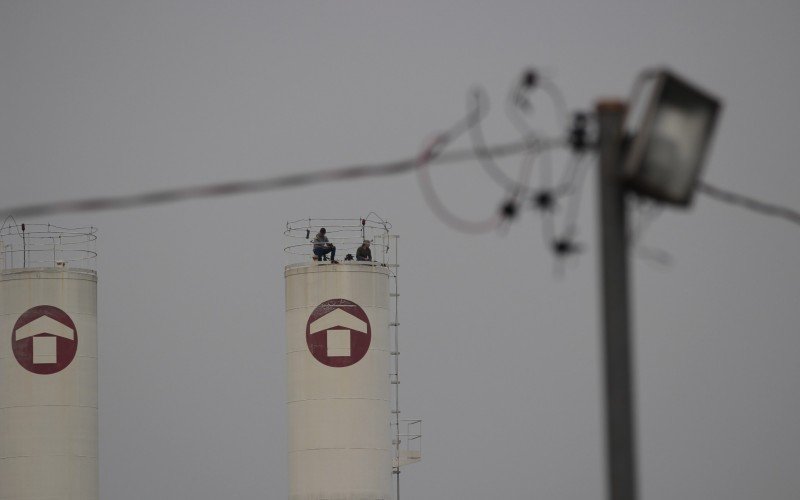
[514, 113]
[644, 212]
[515, 188]
[519, 188]
[426, 184]
[518, 101]
[552, 90]
[575, 189]
[568, 191]
[546, 201]
[526, 172]
[547, 196]
[566, 183]
[477, 100]
[510, 208]
[265, 184]
[478, 103]
[748, 203]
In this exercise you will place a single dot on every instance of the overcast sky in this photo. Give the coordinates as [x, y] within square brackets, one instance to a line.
[500, 355]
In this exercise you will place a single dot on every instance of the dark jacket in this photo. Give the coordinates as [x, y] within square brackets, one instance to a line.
[363, 253]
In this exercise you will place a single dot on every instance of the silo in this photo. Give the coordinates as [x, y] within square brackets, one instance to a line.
[48, 365]
[337, 338]
[337, 345]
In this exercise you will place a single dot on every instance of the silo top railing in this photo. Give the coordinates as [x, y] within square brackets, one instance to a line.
[346, 234]
[47, 246]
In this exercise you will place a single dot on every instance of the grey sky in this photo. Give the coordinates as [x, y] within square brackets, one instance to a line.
[500, 357]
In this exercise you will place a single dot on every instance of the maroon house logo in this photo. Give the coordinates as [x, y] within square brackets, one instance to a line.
[338, 333]
[44, 340]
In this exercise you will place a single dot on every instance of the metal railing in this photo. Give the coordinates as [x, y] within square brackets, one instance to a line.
[346, 234]
[47, 246]
[410, 436]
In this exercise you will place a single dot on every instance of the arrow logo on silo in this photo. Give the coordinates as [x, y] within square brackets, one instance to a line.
[44, 340]
[338, 333]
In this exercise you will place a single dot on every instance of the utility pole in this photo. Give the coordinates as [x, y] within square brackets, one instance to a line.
[617, 345]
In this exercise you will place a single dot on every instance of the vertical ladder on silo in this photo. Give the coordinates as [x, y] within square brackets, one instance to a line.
[401, 456]
[394, 376]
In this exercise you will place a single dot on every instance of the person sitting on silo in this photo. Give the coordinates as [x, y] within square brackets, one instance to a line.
[323, 247]
[363, 252]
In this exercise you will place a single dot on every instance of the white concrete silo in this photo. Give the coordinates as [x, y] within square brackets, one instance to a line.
[337, 337]
[340, 407]
[347, 440]
[48, 366]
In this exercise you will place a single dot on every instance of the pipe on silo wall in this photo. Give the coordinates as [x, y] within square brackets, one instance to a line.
[48, 384]
[337, 338]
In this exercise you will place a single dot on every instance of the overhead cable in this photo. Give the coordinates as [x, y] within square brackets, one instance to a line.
[749, 203]
[439, 209]
[233, 188]
[478, 104]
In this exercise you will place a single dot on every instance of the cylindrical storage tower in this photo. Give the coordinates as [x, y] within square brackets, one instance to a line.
[337, 337]
[48, 379]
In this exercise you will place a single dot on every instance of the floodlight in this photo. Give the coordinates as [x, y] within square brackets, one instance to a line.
[671, 123]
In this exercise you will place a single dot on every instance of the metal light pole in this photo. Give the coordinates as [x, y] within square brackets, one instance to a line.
[617, 348]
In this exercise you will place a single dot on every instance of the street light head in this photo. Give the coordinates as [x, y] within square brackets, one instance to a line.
[672, 123]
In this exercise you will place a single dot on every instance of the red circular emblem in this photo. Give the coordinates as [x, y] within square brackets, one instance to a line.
[44, 340]
[338, 333]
